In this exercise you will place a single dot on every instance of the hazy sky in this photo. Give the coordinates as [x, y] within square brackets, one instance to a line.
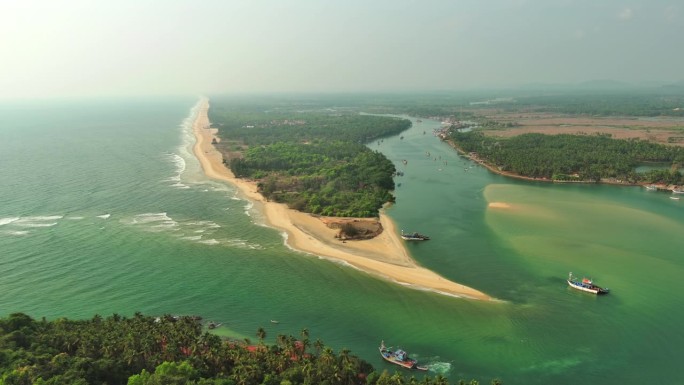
[120, 47]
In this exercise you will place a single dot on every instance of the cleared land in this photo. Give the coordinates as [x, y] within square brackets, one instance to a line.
[665, 130]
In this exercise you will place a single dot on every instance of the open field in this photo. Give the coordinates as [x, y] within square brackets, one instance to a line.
[665, 130]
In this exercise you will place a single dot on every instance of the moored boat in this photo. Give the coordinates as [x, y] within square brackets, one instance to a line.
[586, 285]
[414, 236]
[399, 357]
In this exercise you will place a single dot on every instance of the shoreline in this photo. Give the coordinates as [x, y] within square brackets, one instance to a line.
[383, 256]
[495, 170]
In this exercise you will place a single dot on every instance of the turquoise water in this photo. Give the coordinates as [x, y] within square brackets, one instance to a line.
[103, 209]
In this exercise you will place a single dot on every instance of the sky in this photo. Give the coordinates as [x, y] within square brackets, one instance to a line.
[84, 48]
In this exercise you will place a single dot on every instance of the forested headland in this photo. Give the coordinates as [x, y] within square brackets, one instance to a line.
[144, 350]
[312, 156]
[564, 157]
[314, 160]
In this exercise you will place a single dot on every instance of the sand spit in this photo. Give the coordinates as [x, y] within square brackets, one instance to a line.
[383, 256]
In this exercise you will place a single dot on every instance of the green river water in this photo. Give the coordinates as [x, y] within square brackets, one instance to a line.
[103, 209]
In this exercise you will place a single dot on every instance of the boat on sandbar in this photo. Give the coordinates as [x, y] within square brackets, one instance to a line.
[399, 357]
[586, 284]
[414, 236]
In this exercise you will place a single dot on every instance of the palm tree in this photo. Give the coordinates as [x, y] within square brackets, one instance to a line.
[319, 346]
[261, 334]
[305, 341]
[281, 340]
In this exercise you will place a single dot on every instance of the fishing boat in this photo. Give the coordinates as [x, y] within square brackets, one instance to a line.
[586, 285]
[651, 187]
[399, 357]
[414, 236]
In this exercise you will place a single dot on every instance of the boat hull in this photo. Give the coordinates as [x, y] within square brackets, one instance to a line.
[407, 363]
[588, 289]
[414, 236]
[414, 239]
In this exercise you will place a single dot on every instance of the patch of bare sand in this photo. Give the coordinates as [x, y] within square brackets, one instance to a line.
[499, 205]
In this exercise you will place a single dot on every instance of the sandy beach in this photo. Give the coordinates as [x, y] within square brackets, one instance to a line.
[383, 256]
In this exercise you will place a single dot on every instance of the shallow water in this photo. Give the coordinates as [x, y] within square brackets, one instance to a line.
[103, 209]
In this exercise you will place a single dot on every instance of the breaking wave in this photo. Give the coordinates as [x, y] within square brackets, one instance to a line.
[6, 221]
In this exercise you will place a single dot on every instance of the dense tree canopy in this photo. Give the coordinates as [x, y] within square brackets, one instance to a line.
[268, 128]
[314, 161]
[146, 350]
[336, 179]
[567, 157]
[606, 103]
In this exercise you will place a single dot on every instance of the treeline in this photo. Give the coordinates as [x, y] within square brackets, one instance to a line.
[654, 101]
[328, 178]
[615, 103]
[608, 104]
[145, 350]
[313, 161]
[266, 128]
[573, 157]
[627, 101]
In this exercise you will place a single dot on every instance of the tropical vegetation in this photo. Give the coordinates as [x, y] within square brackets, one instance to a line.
[314, 161]
[144, 350]
[574, 157]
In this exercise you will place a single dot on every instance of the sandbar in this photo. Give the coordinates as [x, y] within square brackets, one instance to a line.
[500, 205]
[383, 256]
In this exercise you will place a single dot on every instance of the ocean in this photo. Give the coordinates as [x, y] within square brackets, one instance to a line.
[104, 209]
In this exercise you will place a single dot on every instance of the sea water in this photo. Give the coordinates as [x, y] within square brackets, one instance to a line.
[104, 209]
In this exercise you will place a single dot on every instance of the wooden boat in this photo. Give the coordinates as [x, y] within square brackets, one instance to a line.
[399, 357]
[414, 236]
[586, 285]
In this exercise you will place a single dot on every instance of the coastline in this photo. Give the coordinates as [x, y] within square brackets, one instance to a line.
[383, 256]
[495, 170]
